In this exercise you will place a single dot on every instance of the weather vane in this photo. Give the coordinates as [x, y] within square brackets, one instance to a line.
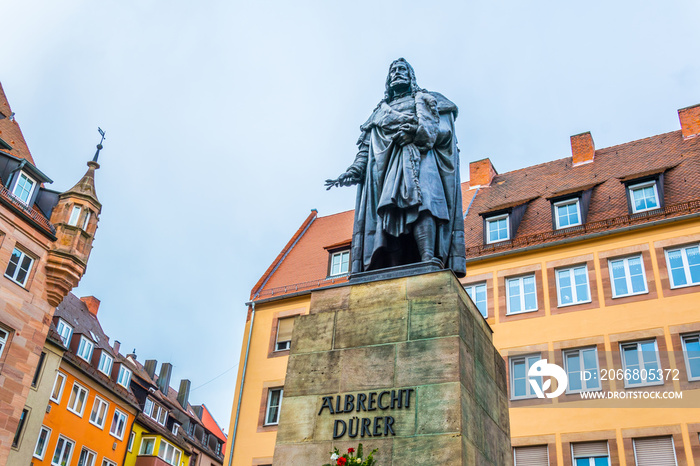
[99, 146]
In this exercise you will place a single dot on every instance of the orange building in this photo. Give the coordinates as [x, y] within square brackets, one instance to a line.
[45, 242]
[590, 262]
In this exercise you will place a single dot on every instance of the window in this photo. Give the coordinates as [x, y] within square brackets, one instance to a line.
[161, 415]
[74, 215]
[87, 220]
[520, 386]
[641, 361]
[39, 366]
[105, 364]
[683, 266]
[42, 442]
[147, 446]
[477, 293]
[19, 266]
[284, 334]
[567, 213]
[118, 424]
[522, 294]
[24, 188]
[169, 453]
[148, 407]
[340, 262]
[582, 370]
[176, 428]
[627, 276]
[106, 462]
[124, 376]
[65, 330]
[531, 456]
[4, 335]
[572, 286]
[130, 445]
[99, 412]
[76, 402]
[274, 403]
[85, 348]
[87, 457]
[644, 196]
[497, 229]
[655, 451]
[691, 351]
[590, 454]
[63, 451]
[58, 387]
[20, 428]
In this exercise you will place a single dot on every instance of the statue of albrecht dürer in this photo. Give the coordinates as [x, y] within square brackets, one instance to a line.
[409, 201]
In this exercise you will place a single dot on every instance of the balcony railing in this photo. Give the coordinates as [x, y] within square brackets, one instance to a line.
[39, 219]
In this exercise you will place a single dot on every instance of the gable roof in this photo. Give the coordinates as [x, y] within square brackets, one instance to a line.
[10, 132]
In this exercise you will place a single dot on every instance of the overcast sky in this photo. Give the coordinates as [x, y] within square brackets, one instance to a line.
[223, 118]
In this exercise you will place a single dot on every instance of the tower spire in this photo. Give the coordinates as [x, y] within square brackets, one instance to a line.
[99, 146]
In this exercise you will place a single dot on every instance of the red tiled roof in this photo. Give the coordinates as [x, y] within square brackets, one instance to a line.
[303, 263]
[10, 131]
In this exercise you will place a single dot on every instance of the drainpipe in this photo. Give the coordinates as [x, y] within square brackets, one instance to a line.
[240, 392]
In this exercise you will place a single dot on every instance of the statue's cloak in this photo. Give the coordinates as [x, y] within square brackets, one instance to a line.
[398, 183]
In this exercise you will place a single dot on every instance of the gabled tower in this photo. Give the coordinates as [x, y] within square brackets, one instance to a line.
[75, 218]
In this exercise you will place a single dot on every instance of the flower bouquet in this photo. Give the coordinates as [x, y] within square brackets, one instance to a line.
[349, 458]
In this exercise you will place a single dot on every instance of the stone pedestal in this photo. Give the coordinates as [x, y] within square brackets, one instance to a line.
[405, 365]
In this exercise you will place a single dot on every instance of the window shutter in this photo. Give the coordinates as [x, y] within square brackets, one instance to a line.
[531, 456]
[656, 451]
[588, 449]
[284, 329]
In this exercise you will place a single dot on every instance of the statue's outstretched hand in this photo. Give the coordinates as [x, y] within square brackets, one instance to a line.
[346, 179]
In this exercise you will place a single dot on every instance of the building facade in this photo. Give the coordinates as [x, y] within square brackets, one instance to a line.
[590, 262]
[45, 242]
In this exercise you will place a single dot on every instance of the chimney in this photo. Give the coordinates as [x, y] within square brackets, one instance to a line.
[150, 367]
[183, 395]
[582, 148]
[166, 370]
[116, 346]
[481, 173]
[690, 121]
[92, 303]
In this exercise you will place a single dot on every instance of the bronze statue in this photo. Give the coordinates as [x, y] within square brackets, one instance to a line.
[409, 201]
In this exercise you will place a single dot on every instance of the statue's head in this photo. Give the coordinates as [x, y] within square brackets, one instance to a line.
[401, 77]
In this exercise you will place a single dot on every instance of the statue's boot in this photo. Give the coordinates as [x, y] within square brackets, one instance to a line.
[424, 233]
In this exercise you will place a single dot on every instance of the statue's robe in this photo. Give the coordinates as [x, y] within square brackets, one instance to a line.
[399, 183]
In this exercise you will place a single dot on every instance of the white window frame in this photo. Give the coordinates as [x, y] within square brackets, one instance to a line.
[563, 203]
[161, 415]
[62, 376]
[686, 357]
[144, 442]
[96, 405]
[18, 267]
[130, 444]
[628, 276]
[40, 455]
[673, 447]
[494, 219]
[61, 327]
[148, 407]
[89, 454]
[124, 376]
[105, 356]
[642, 363]
[342, 255]
[21, 174]
[173, 451]
[584, 387]
[74, 216]
[66, 441]
[591, 459]
[116, 418]
[87, 219]
[77, 398]
[646, 184]
[106, 462]
[4, 338]
[546, 449]
[282, 345]
[85, 343]
[471, 291]
[528, 388]
[686, 265]
[522, 294]
[176, 428]
[267, 406]
[574, 292]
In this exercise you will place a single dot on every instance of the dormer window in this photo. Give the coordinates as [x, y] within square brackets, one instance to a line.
[567, 213]
[124, 377]
[24, 187]
[176, 428]
[65, 331]
[340, 262]
[497, 228]
[85, 348]
[105, 364]
[644, 196]
[74, 216]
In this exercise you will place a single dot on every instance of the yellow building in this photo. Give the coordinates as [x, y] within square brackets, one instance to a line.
[591, 262]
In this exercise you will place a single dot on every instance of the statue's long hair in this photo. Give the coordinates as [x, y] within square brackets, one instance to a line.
[414, 89]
